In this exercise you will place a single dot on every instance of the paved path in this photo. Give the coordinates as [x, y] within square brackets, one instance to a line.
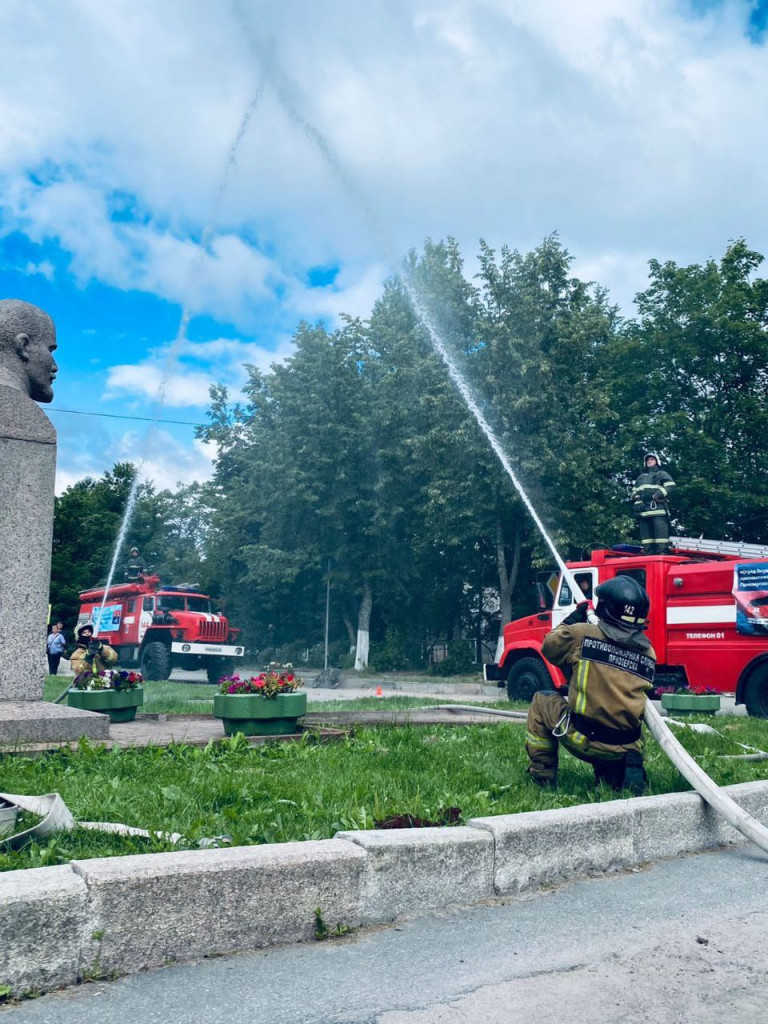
[199, 729]
[680, 942]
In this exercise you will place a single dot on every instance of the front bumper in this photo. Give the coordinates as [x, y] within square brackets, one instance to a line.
[208, 650]
[493, 673]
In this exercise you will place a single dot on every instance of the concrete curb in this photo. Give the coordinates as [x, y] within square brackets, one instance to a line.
[119, 915]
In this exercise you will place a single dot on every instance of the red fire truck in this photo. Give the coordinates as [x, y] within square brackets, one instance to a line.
[708, 621]
[160, 628]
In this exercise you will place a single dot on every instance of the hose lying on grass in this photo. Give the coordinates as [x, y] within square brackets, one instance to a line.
[56, 817]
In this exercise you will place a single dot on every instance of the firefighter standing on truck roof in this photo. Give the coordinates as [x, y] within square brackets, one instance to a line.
[611, 667]
[650, 498]
[91, 655]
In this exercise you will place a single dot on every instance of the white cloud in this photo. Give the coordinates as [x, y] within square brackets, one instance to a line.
[162, 459]
[185, 380]
[629, 125]
[44, 268]
[353, 292]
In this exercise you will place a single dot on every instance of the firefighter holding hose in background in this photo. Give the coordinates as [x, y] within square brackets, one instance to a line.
[611, 667]
[650, 498]
[91, 655]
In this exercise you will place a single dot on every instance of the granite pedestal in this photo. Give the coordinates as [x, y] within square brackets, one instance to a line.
[37, 721]
[27, 474]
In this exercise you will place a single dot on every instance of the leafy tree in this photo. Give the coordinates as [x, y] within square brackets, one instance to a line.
[86, 524]
[168, 528]
[691, 378]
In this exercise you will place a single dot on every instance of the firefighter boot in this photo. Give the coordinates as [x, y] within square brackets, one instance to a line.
[609, 772]
[635, 776]
[544, 781]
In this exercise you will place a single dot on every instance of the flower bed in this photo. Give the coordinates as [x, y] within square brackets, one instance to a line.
[685, 701]
[264, 705]
[114, 692]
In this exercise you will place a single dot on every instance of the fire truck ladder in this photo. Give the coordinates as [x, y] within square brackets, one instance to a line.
[719, 547]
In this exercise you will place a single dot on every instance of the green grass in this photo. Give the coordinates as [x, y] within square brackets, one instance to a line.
[308, 790]
[172, 698]
[159, 697]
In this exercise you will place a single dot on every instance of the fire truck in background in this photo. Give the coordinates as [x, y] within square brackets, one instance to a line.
[159, 628]
[708, 621]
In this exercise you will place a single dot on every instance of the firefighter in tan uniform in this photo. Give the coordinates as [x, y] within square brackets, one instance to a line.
[611, 667]
[91, 655]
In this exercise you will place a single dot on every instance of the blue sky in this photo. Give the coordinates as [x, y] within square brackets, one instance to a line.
[633, 127]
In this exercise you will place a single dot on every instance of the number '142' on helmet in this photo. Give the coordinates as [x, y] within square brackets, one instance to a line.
[622, 601]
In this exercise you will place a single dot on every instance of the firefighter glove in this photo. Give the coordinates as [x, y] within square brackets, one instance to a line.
[579, 614]
[93, 649]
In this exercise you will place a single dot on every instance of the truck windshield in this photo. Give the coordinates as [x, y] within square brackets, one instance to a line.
[199, 604]
[170, 603]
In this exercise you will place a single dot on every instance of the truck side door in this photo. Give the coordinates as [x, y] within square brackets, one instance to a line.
[565, 602]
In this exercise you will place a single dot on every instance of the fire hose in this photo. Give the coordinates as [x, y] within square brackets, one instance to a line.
[55, 816]
[736, 816]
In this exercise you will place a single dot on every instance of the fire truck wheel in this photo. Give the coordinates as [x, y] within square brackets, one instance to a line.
[156, 661]
[526, 677]
[756, 693]
[221, 667]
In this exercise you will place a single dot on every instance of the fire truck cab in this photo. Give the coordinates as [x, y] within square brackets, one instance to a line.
[159, 628]
[708, 620]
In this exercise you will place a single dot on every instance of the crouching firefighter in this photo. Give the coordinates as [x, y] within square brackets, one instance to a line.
[610, 667]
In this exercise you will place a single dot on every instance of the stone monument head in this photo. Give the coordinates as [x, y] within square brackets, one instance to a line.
[27, 343]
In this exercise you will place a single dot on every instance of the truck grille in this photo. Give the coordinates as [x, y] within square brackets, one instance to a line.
[212, 631]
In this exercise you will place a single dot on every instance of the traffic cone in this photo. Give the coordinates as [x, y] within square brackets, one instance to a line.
[379, 692]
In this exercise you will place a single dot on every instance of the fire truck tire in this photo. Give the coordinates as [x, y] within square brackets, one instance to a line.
[220, 667]
[156, 661]
[526, 677]
[756, 692]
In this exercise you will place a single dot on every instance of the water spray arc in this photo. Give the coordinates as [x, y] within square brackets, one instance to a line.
[181, 336]
[293, 104]
[289, 97]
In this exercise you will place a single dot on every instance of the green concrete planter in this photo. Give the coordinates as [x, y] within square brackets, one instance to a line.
[120, 705]
[254, 715]
[691, 703]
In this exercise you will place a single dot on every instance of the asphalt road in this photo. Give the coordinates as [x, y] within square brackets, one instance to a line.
[681, 941]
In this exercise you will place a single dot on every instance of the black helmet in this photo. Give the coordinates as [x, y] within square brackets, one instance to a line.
[622, 602]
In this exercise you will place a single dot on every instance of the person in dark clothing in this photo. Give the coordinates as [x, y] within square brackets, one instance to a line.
[610, 667]
[650, 498]
[135, 568]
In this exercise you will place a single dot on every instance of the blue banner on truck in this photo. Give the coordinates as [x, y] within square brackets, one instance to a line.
[107, 619]
[750, 589]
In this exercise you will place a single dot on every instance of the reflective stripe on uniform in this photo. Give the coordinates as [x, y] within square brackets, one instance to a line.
[540, 742]
[577, 739]
[653, 512]
[582, 673]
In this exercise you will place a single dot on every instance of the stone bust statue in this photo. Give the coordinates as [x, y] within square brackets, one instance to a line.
[27, 343]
